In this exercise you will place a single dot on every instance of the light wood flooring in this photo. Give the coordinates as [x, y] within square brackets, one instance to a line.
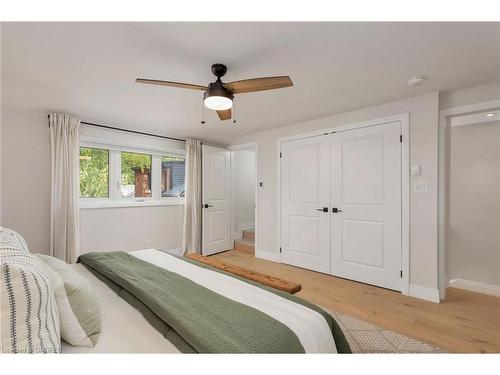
[465, 322]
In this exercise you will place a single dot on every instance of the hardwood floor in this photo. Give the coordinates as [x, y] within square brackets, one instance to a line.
[465, 322]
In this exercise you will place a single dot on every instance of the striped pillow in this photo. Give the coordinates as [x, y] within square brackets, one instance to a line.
[29, 316]
[28, 311]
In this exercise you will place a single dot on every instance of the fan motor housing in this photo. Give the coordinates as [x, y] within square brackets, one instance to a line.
[217, 89]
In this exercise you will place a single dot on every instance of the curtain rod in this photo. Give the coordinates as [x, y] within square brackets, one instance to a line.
[129, 131]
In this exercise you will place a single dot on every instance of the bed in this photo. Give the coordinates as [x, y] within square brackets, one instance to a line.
[153, 301]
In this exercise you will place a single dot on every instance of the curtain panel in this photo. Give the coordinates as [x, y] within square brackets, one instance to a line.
[65, 190]
[191, 236]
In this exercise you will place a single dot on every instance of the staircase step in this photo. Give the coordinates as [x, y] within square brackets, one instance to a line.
[249, 234]
[246, 246]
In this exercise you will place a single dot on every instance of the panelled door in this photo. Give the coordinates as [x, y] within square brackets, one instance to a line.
[216, 223]
[366, 203]
[305, 203]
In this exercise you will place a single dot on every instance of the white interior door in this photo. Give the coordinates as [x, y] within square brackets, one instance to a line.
[366, 191]
[216, 226]
[305, 202]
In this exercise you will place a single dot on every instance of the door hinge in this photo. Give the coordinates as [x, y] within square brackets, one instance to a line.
[281, 155]
[401, 138]
[401, 273]
[280, 250]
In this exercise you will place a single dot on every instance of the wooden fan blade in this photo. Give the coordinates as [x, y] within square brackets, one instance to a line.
[224, 115]
[258, 84]
[172, 84]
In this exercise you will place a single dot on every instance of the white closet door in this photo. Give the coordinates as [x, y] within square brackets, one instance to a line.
[216, 200]
[366, 190]
[305, 193]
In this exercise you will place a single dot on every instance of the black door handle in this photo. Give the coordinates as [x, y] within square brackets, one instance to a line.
[207, 205]
[335, 210]
[324, 209]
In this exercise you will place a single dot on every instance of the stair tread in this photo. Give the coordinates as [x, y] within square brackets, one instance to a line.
[249, 234]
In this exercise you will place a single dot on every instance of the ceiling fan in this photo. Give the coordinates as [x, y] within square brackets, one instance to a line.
[219, 96]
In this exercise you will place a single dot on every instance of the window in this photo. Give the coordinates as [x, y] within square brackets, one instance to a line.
[94, 173]
[136, 175]
[115, 176]
[172, 176]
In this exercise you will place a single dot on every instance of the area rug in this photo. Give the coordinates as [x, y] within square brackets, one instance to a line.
[364, 337]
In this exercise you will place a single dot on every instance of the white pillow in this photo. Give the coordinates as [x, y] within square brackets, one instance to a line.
[77, 304]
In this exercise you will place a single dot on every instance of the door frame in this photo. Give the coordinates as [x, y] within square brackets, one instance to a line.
[236, 147]
[405, 183]
[445, 116]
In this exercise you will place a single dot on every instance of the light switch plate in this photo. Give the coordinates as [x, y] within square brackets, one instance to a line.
[415, 170]
[420, 187]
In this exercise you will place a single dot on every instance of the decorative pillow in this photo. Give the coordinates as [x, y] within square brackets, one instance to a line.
[28, 311]
[11, 240]
[78, 305]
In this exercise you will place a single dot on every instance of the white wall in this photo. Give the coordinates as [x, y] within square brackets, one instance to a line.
[423, 112]
[468, 96]
[26, 176]
[474, 231]
[243, 189]
[129, 228]
[25, 194]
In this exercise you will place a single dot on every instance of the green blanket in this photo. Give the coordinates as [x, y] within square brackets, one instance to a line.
[195, 318]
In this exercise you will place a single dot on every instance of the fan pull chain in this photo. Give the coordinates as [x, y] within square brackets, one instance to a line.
[234, 111]
[202, 113]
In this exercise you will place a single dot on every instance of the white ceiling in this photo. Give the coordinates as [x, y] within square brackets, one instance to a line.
[89, 69]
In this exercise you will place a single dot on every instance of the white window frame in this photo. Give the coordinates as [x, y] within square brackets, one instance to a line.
[115, 198]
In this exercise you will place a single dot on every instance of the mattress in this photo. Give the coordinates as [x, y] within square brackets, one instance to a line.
[124, 329]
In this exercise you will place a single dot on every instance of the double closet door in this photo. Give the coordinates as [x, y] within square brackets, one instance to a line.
[341, 204]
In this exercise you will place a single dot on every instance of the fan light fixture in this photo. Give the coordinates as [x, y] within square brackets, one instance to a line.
[218, 103]
[217, 97]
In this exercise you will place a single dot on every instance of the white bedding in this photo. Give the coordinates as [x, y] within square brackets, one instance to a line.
[124, 329]
[310, 326]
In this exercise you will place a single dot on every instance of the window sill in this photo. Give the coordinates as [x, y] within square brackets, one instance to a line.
[92, 204]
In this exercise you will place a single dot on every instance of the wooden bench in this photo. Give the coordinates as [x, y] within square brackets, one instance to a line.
[261, 278]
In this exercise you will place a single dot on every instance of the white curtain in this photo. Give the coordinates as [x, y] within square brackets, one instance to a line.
[191, 236]
[65, 190]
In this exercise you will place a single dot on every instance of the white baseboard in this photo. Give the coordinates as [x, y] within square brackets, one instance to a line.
[177, 251]
[267, 255]
[474, 286]
[422, 292]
